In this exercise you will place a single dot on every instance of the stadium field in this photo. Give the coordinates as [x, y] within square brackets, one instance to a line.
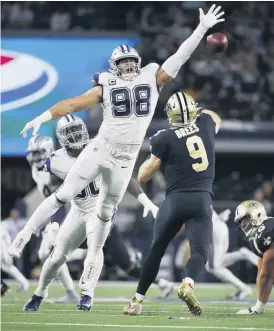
[158, 314]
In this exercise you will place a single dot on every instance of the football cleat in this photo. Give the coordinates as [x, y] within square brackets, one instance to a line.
[166, 287]
[242, 294]
[68, 298]
[248, 311]
[4, 288]
[134, 308]
[187, 295]
[34, 303]
[19, 243]
[85, 303]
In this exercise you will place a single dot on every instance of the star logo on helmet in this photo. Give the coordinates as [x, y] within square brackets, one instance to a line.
[267, 241]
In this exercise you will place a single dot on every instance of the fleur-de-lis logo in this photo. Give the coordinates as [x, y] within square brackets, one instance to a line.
[267, 241]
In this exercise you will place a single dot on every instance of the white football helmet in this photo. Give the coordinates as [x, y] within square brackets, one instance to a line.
[126, 71]
[72, 132]
[39, 148]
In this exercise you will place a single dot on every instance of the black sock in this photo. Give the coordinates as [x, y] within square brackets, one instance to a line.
[195, 265]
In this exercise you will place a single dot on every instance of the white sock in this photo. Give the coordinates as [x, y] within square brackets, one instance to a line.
[139, 297]
[162, 282]
[88, 286]
[189, 281]
[16, 274]
[49, 272]
[96, 240]
[227, 276]
[66, 280]
[40, 217]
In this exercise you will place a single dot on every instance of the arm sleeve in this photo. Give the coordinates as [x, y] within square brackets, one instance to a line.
[158, 145]
[173, 64]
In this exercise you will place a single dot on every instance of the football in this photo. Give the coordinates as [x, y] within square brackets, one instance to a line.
[217, 42]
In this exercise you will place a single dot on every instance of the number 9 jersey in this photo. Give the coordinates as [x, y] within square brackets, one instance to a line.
[128, 105]
[187, 155]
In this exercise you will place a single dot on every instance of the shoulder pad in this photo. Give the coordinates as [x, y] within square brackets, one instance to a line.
[152, 67]
[157, 133]
[95, 79]
[102, 78]
[54, 162]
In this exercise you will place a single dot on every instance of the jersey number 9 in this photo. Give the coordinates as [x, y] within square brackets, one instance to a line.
[197, 150]
[125, 102]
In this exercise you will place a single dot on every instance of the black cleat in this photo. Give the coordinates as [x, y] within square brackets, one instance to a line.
[85, 303]
[4, 288]
[34, 303]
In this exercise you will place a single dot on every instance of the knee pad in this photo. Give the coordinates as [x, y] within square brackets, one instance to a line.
[65, 193]
[105, 211]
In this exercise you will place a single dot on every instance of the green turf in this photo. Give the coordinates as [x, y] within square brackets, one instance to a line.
[156, 315]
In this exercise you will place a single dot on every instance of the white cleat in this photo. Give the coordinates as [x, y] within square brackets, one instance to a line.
[134, 308]
[242, 294]
[166, 287]
[18, 244]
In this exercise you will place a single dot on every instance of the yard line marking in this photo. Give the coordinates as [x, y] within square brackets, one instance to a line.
[143, 326]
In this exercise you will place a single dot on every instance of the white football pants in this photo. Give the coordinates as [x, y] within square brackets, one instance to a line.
[72, 233]
[219, 259]
[100, 158]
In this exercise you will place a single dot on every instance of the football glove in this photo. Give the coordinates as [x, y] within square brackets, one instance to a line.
[212, 17]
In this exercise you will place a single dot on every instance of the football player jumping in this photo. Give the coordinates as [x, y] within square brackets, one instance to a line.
[129, 95]
[251, 218]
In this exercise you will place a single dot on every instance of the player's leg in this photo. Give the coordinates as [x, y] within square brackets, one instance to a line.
[242, 254]
[78, 254]
[114, 181]
[198, 230]
[8, 267]
[85, 169]
[118, 251]
[4, 288]
[70, 236]
[217, 252]
[168, 222]
[48, 242]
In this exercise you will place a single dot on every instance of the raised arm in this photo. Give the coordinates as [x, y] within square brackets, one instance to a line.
[172, 65]
[62, 108]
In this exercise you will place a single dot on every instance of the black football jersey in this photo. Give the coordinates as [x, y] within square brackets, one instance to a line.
[263, 237]
[187, 155]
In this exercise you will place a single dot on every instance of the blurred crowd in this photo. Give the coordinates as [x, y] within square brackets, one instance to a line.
[239, 83]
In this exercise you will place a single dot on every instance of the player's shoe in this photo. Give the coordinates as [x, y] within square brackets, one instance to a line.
[186, 294]
[134, 308]
[34, 303]
[242, 294]
[18, 244]
[166, 287]
[85, 303]
[4, 288]
[70, 297]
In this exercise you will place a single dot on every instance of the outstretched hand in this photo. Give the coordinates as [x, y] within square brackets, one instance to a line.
[212, 17]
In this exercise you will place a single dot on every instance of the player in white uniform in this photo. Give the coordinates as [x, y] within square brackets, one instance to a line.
[73, 137]
[219, 259]
[39, 148]
[129, 95]
[9, 228]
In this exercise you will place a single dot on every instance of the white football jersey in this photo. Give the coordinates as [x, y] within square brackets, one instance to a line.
[43, 180]
[59, 163]
[128, 105]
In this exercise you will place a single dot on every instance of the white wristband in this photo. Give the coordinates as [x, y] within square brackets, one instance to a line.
[259, 307]
[46, 116]
[144, 199]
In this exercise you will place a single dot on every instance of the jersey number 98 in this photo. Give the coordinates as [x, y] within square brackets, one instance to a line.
[197, 150]
[126, 102]
[89, 190]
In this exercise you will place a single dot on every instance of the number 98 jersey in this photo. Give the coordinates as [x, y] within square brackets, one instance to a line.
[59, 163]
[128, 105]
[263, 237]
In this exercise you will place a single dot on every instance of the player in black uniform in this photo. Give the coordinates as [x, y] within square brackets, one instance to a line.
[187, 154]
[251, 218]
